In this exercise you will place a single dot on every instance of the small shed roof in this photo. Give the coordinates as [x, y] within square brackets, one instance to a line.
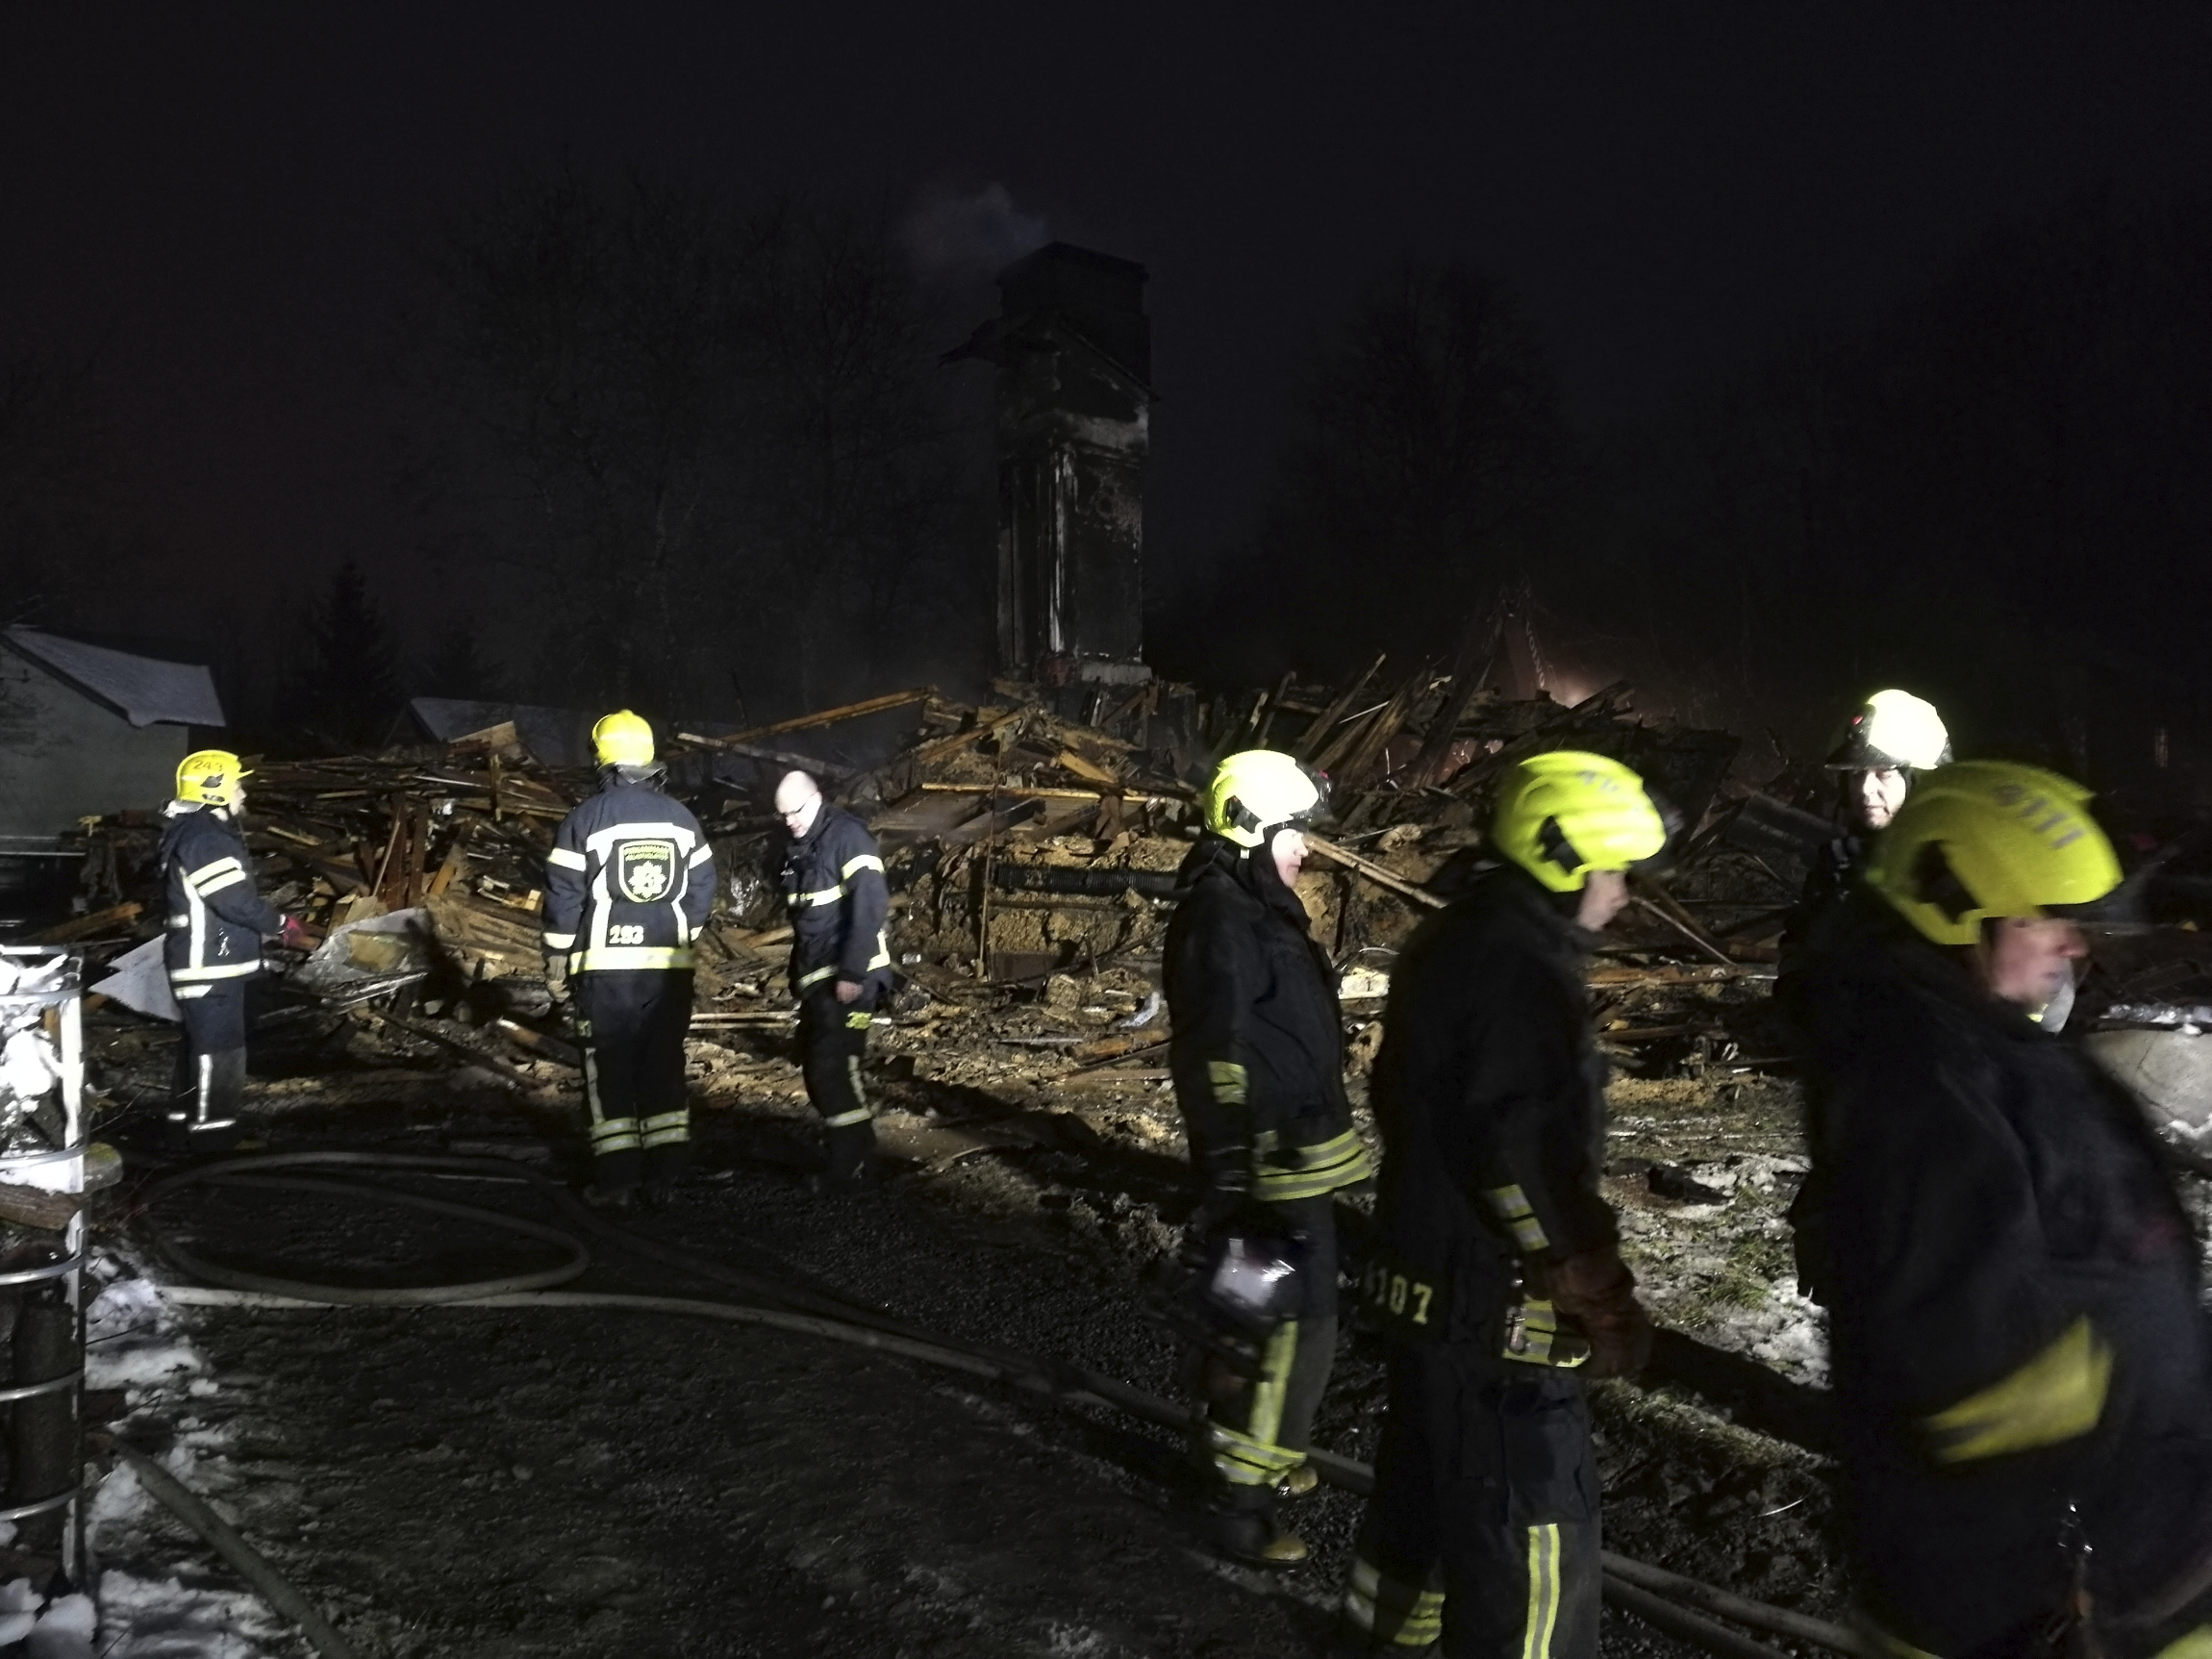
[556, 737]
[144, 690]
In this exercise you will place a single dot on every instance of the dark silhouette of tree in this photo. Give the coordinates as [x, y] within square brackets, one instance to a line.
[1426, 453]
[699, 440]
[343, 694]
[55, 478]
[1993, 491]
[457, 667]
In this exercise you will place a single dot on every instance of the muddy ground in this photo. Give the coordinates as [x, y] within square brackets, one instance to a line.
[586, 1482]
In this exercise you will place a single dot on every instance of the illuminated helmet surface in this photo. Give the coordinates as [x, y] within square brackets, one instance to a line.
[210, 778]
[1893, 731]
[1979, 839]
[622, 739]
[1256, 793]
[1563, 815]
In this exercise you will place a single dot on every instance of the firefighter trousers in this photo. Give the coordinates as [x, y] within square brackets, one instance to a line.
[210, 1073]
[833, 1039]
[632, 1025]
[1482, 1536]
[1259, 1434]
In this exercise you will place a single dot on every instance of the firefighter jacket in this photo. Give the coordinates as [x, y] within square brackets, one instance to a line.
[217, 918]
[1834, 873]
[1489, 1093]
[1258, 1050]
[840, 902]
[2013, 1299]
[629, 882]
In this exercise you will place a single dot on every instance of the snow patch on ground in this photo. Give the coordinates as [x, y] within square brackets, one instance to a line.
[135, 1341]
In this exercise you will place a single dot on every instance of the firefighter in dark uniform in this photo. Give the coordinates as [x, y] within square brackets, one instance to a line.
[834, 884]
[1893, 736]
[2022, 1370]
[628, 885]
[1258, 1060]
[211, 945]
[1498, 1278]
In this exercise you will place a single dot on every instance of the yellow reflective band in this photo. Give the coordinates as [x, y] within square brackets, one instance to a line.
[630, 959]
[845, 1120]
[1284, 1184]
[1543, 1591]
[819, 974]
[1536, 1342]
[669, 1119]
[2057, 1396]
[213, 867]
[229, 878]
[228, 970]
[705, 855]
[865, 861]
[668, 1134]
[1413, 1618]
[819, 897]
[2194, 1643]
[567, 859]
[1228, 1081]
[1896, 1646]
[1519, 1216]
[559, 941]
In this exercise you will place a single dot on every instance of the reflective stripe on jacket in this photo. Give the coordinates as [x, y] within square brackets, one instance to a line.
[1258, 1047]
[1489, 1093]
[628, 884]
[216, 917]
[2012, 1297]
[839, 901]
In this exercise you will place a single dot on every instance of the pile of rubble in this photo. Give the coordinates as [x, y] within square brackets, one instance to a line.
[1032, 843]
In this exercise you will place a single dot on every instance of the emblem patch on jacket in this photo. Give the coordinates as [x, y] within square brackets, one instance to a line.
[645, 870]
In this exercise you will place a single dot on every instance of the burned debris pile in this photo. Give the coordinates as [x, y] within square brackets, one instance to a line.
[1032, 843]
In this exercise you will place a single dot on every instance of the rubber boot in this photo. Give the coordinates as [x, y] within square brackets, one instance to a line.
[668, 1166]
[1240, 1522]
[205, 1117]
[614, 1177]
[849, 1165]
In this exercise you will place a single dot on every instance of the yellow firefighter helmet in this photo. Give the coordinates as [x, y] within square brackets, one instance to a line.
[1979, 839]
[1563, 815]
[622, 739]
[210, 778]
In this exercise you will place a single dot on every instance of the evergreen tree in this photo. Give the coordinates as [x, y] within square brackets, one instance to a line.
[345, 695]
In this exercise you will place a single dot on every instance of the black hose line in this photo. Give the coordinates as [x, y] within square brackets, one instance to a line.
[187, 1506]
[1651, 1592]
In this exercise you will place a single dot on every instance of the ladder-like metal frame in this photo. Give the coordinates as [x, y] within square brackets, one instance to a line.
[60, 1170]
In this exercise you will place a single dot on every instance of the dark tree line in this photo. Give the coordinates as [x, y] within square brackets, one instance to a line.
[1997, 491]
[691, 450]
[57, 481]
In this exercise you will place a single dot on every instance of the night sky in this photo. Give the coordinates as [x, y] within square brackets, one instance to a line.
[221, 197]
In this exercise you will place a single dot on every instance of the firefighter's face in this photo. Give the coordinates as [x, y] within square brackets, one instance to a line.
[1288, 848]
[2026, 959]
[1877, 794]
[1605, 892]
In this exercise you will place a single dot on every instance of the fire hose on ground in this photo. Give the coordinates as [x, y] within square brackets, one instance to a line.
[1666, 1599]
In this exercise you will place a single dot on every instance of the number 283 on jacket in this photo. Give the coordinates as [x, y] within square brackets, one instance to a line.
[628, 884]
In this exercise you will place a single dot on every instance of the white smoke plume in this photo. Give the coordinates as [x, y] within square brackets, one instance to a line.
[957, 236]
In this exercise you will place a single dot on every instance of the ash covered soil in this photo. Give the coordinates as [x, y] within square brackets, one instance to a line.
[586, 1482]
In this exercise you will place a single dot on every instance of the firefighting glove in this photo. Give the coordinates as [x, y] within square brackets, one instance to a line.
[1596, 1290]
[292, 936]
[557, 978]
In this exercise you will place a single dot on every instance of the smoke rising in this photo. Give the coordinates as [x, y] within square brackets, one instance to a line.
[957, 236]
